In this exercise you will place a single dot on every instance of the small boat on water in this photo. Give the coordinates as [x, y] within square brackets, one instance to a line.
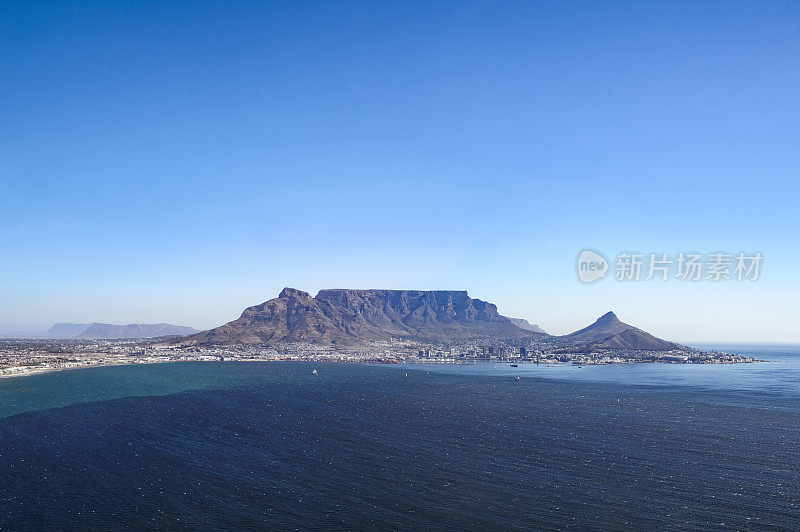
[514, 365]
[314, 372]
[517, 379]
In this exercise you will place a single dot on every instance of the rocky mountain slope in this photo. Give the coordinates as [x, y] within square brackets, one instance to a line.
[608, 332]
[352, 317]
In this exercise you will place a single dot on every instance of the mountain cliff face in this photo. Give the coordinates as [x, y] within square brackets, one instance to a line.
[350, 317]
[608, 332]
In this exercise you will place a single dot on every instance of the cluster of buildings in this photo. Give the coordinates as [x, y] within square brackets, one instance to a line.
[19, 357]
[559, 354]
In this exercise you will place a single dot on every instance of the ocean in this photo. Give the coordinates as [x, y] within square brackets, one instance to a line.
[269, 445]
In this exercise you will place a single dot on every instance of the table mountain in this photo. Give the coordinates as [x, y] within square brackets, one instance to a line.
[353, 317]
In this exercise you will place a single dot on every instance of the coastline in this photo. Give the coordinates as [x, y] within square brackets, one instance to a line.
[40, 371]
[33, 370]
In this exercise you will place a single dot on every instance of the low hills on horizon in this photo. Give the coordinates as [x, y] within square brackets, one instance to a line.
[354, 317]
[108, 331]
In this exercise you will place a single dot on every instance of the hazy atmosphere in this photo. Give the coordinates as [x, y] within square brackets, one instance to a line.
[178, 163]
[381, 265]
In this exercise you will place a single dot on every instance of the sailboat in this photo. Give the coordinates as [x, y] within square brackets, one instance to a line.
[314, 372]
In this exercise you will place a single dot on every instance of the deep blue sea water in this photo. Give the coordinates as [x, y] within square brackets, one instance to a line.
[269, 445]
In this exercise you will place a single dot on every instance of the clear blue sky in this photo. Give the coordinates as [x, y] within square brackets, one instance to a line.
[180, 161]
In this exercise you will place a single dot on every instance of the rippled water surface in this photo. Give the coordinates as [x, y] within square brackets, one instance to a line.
[230, 445]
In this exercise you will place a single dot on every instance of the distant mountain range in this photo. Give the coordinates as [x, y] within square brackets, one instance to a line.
[610, 333]
[359, 317]
[523, 324]
[352, 317]
[66, 330]
[107, 331]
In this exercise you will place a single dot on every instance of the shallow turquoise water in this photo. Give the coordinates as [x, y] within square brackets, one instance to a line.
[779, 378]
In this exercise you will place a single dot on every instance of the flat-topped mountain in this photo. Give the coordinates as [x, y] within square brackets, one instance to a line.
[356, 317]
[608, 332]
[352, 317]
[108, 331]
